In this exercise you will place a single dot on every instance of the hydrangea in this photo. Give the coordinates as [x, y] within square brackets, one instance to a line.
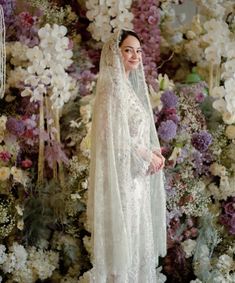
[167, 130]
[169, 99]
[201, 140]
[146, 24]
[15, 126]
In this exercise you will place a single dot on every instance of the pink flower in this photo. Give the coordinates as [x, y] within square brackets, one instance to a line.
[5, 156]
[27, 163]
[26, 19]
[152, 20]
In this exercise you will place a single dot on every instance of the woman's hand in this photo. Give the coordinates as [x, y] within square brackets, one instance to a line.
[157, 163]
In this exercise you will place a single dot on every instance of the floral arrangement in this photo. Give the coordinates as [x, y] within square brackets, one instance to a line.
[45, 124]
[106, 16]
[146, 24]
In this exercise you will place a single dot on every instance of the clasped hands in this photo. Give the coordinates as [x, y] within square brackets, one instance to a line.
[157, 162]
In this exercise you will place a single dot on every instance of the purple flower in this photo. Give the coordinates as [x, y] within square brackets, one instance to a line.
[146, 24]
[200, 97]
[8, 9]
[169, 99]
[15, 127]
[201, 140]
[227, 218]
[229, 208]
[167, 130]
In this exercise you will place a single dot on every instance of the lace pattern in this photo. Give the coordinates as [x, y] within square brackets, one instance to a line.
[126, 207]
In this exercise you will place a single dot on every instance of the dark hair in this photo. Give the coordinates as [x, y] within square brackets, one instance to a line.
[125, 34]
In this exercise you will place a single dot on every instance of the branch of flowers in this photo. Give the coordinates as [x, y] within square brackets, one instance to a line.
[41, 144]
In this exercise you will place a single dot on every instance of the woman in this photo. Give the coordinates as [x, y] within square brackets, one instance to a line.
[126, 201]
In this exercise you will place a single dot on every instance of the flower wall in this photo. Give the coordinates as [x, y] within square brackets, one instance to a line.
[52, 51]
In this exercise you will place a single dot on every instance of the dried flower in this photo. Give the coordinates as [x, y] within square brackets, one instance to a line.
[201, 140]
[167, 130]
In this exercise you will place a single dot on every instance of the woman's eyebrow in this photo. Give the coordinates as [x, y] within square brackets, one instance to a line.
[131, 47]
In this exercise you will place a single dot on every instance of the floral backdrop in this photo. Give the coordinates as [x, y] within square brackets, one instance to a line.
[52, 55]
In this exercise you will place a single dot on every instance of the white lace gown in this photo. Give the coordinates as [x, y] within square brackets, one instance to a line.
[126, 206]
[136, 202]
[138, 207]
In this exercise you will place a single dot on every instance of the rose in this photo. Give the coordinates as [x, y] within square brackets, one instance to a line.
[229, 208]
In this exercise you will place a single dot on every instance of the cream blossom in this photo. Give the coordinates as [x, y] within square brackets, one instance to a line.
[4, 173]
[189, 247]
[48, 66]
[218, 92]
[218, 170]
[230, 132]
[3, 120]
[19, 175]
[220, 105]
[85, 111]
[106, 15]
[228, 118]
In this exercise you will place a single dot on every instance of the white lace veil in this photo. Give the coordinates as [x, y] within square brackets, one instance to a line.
[110, 171]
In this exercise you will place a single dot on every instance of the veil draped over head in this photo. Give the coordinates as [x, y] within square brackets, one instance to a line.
[112, 155]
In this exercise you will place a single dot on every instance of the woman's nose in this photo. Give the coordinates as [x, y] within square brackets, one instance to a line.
[134, 54]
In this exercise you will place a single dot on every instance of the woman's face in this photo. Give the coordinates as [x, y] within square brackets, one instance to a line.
[131, 53]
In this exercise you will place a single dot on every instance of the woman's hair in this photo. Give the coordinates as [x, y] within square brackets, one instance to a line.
[125, 34]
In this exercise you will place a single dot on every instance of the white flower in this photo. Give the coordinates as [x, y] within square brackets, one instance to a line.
[19, 175]
[20, 255]
[220, 105]
[104, 15]
[196, 281]
[225, 263]
[228, 118]
[230, 132]
[218, 92]
[213, 54]
[18, 52]
[228, 69]
[26, 92]
[217, 169]
[177, 38]
[4, 173]
[43, 262]
[3, 255]
[85, 112]
[34, 54]
[189, 247]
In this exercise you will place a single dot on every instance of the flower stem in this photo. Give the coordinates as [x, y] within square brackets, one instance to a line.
[41, 144]
[211, 77]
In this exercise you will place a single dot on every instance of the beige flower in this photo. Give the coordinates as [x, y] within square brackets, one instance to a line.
[85, 112]
[228, 118]
[230, 132]
[4, 173]
[18, 175]
[217, 169]
[20, 224]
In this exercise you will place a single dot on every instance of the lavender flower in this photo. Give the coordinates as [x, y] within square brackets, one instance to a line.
[227, 217]
[15, 127]
[8, 8]
[146, 24]
[169, 99]
[167, 130]
[201, 140]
